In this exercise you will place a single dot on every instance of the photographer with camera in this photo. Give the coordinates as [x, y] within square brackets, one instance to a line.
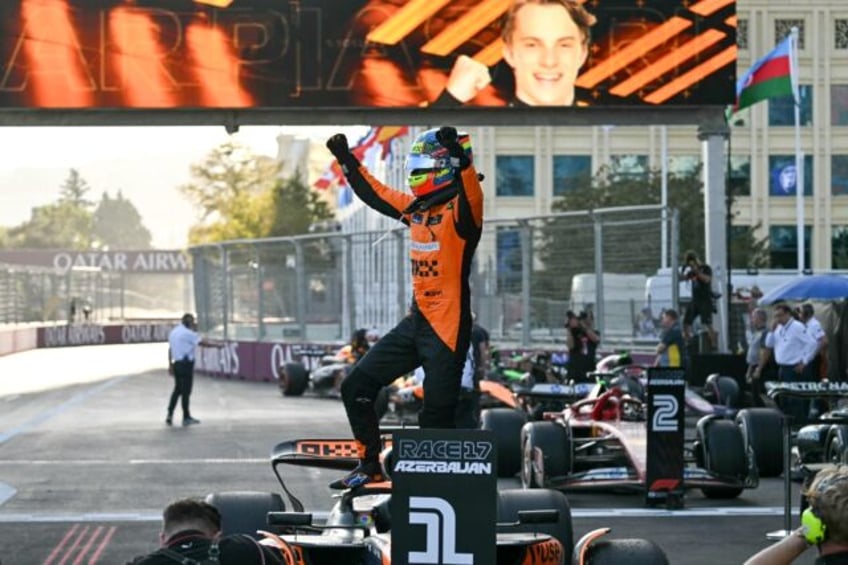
[700, 275]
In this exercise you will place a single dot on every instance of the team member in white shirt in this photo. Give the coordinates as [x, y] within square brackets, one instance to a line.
[818, 368]
[793, 348]
[814, 328]
[182, 344]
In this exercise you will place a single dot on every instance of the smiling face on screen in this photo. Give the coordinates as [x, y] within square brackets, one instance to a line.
[545, 49]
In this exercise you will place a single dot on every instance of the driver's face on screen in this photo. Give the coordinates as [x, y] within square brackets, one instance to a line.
[545, 51]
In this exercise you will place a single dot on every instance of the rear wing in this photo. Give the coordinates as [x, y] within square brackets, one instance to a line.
[339, 454]
[823, 389]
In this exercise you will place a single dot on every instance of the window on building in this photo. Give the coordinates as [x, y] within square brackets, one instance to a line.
[783, 27]
[514, 175]
[783, 246]
[839, 248]
[781, 111]
[839, 174]
[570, 172]
[628, 167]
[783, 178]
[839, 105]
[508, 259]
[742, 34]
[740, 175]
[840, 33]
[683, 165]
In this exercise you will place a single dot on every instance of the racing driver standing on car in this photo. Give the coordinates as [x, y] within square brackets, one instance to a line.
[445, 216]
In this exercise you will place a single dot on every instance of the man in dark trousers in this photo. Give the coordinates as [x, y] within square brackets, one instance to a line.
[191, 534]
[701, 277]
[182, 344]
[445, 218]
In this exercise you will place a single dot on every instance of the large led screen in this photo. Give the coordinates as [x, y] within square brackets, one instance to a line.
[241, 54]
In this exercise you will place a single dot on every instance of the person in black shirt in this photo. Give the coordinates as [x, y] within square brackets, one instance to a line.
[701, 277]
[191, 534]
[582, 342]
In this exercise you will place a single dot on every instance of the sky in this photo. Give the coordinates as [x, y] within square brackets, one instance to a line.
[146, 164]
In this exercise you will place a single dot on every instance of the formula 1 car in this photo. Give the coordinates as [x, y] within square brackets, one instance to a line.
[617, 371]
[826, 439]
[533, 527]
[601, 443]
[328, 368]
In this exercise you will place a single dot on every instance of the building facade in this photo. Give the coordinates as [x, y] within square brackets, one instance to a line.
[527, 168]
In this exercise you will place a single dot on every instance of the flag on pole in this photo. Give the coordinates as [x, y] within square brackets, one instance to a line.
[770, 77]
[380, 136]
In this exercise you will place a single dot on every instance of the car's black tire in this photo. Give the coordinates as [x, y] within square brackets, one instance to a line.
[762, 430]
[722, 390]
[294, 378]
[506, 424]
[244, 512]
[724, 454]
[554, 441]
[620, 551]
[837, 445]
[511, 501]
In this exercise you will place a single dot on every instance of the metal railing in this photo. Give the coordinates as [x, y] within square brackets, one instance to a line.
[528, 272]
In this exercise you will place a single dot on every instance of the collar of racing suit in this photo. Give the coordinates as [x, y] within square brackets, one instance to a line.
[427, 202]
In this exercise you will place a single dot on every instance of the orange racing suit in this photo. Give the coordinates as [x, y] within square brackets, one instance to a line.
[445, 228]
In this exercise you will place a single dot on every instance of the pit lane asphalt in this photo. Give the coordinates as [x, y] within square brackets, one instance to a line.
[87, 463]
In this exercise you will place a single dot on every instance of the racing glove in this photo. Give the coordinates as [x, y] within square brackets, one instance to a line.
[337, 144]
[449, 139]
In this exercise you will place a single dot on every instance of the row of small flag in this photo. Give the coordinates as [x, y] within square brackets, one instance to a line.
[377, 138]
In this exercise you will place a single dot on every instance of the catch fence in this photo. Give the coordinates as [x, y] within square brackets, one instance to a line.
[528, 272]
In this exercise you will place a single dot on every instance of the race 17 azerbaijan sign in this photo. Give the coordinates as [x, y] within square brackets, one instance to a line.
[244, 54]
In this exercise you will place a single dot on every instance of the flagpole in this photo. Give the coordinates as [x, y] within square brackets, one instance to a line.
[799, 157]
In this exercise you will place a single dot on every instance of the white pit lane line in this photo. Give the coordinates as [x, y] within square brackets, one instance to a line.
[321, 516]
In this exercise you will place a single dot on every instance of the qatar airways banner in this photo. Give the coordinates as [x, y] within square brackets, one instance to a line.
[257, 361]
[148, 261]
[179, 54]
[99, 334]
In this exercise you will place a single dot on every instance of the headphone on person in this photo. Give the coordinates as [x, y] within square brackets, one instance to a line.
[815, 530]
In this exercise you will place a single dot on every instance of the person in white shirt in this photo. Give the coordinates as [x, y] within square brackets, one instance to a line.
[814, 328]
[818, 368]
[793, 349]
[182, 344]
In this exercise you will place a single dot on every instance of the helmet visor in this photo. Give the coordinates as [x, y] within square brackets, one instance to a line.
[418, 161]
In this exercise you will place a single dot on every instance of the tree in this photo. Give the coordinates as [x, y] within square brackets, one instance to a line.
[232, 187]
[610, 187]
[118, 225]
[73, 191]
[54, 226]
[69, 223]
[241, 196]
[296, 207]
